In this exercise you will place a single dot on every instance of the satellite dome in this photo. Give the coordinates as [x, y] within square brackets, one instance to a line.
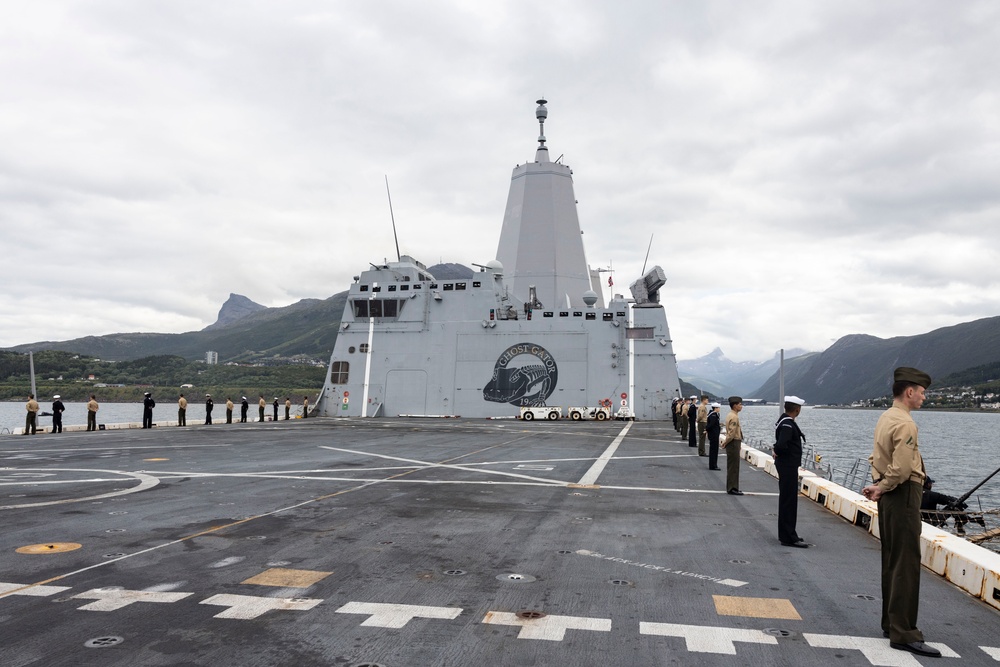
[495, 266]
[590, 298]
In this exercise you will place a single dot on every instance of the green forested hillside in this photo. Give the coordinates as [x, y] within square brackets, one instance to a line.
[68, 374]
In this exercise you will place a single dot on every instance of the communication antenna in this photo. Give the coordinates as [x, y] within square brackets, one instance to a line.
[643, 272]
[393, 218]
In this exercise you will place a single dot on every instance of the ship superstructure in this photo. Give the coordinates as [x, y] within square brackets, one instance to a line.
[529, 329]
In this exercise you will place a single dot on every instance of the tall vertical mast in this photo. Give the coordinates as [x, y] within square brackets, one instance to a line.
[540, 243]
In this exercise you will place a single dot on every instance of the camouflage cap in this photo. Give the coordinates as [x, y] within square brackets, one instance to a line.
[907, 374]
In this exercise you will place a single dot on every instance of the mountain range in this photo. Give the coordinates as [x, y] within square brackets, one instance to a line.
[856, 367]
[718, 375]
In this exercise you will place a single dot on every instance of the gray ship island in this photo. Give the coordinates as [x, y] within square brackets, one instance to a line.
[531, 329]
[354, 541]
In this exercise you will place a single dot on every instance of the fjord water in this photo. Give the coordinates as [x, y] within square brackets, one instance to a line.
[959, 448]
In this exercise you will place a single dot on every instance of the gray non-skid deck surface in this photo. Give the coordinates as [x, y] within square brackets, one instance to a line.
[465, 522]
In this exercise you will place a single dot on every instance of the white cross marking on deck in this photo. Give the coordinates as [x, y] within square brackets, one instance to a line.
[876, 650]
[396, 615]
[992, 651]
[707, 639]
[602, 461]
[246, 607]
[40, 591]
[112, 599]
[549, 628]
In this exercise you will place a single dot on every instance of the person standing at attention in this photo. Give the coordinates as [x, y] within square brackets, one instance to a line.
[713, 427]
[733, 444]
[305, 407]
[692, 422]
[682, 407]
[182, 409]
[244, 408]
[31, 419]
[57, 409]
[898, 474]
[288, 407]
[788, 439]
[673, 411]
[147, 410]
[261, 404]
[92, 409]
[275, 404]
[209, 404]
[702, 425]
[229, 410]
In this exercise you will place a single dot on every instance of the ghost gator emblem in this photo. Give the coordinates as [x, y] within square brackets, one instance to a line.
[525, 375]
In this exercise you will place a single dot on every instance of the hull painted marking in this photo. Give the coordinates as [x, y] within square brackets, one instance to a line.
[548, 628]
[876, 650]
[396, 615]
[114, 599]
[704, 639]
[246, 607]
[590, 477]
[40, 591]
[992, 651]
[726, 605]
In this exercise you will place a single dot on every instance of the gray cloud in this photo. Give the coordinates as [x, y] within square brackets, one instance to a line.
[806, 171]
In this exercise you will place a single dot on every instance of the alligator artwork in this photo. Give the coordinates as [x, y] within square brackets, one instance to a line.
[527, 386]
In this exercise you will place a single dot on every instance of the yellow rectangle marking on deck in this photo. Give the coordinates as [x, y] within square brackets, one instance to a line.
[726, 605]
[285, 578]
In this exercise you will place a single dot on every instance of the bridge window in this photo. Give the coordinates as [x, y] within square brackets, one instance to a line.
[338, 372]
[639, 333]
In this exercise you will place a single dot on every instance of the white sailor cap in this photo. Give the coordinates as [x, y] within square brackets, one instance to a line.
[56, 397]
[716, 405]
[794, 399]
[695, 396]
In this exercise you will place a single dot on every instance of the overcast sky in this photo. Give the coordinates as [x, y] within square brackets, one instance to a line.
[806, 170]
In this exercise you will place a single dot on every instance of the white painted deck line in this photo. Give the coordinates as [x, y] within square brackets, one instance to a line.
[876, 650]
[548, 628]
[602, 461]
[396, 615]
[705, 639]
[114, 599]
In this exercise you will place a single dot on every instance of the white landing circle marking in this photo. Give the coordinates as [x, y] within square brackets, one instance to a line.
[145, 482]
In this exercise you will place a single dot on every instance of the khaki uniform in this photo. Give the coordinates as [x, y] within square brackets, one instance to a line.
[305, 407]
[680, 411]
[702, 428]
[898, 470]
[92, 409]
[684, 420]
[288, 408]
[261, 404]
[31, 419]
[733, 444]
[229, 411]
[182, 405]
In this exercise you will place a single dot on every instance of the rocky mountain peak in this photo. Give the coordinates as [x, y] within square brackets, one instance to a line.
[234, 309]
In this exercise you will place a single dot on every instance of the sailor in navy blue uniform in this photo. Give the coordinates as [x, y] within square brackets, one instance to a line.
[693, 422]
[714, 429]
[788, 439]
[147, 410]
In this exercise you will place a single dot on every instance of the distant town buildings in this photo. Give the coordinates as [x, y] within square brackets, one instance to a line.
[211, 358]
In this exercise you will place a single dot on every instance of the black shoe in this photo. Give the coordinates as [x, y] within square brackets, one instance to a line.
[919, 648]
[715, 468]
[799, 545]
[885, 634]
[734, 492]
[799, 539]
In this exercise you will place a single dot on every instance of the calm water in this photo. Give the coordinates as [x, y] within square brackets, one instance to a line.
[959, 448]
